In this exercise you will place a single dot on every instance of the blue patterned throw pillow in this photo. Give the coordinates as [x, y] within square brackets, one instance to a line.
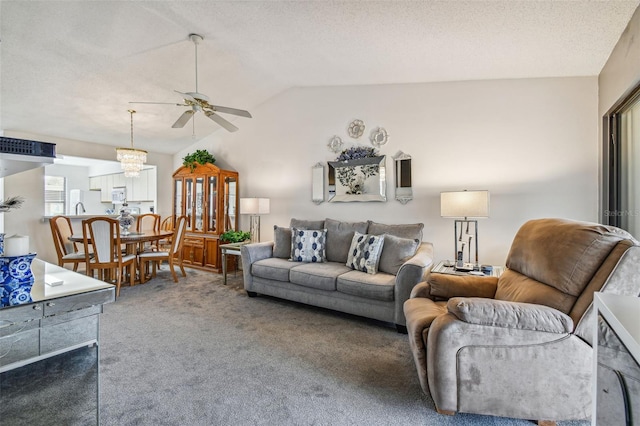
[365, 251]
[308, 245]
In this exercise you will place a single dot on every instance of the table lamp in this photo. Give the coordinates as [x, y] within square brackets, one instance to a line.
[254, 207]
[465, 205]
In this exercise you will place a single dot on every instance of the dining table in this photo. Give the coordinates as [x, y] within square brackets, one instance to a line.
[132, 240]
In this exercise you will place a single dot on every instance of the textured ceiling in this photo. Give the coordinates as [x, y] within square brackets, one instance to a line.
[69, 68]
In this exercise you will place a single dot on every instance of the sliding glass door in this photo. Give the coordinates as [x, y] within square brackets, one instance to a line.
[621, 168]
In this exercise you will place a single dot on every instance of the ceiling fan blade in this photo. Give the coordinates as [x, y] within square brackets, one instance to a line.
[184, 118]
[186, 96]
[221, 121]
[234, 111]
[157, 103]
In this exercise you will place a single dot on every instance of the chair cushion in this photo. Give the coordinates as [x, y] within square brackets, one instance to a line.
[73, 256]
[395, 252]
[308, 245]
[281, 242]
[364, 253]
[339, 236]
[322, 276]
[411, 231]
[378, 286]
[273, 268]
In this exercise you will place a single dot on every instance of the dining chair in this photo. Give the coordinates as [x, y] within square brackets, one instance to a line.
[173, 255]
[66, 250]
[166, 225]
[148, 222]
[102, 234]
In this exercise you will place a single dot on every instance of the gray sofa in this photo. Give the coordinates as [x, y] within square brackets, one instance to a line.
[328, 282]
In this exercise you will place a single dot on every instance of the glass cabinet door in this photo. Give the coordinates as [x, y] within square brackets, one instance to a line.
[230, 203]
[199, 208]
[188, 203]
[212, 203]
[177, 200]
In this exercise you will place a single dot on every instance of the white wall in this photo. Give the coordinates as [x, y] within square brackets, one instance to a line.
[30, 184]
[533, 143]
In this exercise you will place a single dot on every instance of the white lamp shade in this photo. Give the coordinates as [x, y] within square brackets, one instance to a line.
[254, 206]
[464, 204]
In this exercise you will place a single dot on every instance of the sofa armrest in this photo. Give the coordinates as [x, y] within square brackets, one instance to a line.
[444, 286]
[500, 313]
[412, 272]
[251, 253]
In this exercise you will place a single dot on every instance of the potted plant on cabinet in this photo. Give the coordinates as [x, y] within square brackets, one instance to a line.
[201, 156]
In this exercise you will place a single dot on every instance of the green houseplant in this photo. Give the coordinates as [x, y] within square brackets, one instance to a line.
[201, 156]
[235, 236]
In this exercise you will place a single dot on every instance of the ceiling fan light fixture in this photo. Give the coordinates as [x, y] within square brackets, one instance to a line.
[131, 159]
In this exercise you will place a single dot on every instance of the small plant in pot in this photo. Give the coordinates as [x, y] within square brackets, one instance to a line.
[235, 236]
[201, 156]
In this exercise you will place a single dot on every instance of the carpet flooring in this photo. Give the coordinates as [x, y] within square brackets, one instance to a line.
[202, 353]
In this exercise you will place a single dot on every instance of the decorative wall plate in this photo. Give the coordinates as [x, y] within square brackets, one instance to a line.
[356, 129]
[378, 137]
[335, 144]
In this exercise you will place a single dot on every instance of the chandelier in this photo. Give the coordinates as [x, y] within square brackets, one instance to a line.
[131, 160]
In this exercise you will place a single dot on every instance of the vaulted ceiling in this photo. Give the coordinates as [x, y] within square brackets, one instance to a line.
[70, 68]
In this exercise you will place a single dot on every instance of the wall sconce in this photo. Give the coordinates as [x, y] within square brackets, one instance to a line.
[254, 207]
[465, 204]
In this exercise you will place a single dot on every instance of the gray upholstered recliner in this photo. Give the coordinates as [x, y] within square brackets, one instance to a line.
[520, 345]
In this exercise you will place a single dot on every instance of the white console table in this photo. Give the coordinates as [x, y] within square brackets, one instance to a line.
[616, 360]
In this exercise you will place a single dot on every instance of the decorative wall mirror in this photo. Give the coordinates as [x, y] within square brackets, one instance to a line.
[402, 166]
[357, 180]
[317, 183]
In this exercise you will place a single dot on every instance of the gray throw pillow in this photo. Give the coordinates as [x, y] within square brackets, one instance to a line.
[412, 231]
[364, 253]
[306, 224]
[308, 245]
[281, 242]
[396, 252]
[339, 237]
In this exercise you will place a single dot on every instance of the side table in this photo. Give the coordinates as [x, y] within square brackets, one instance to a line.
[443, 268]
[232, 249]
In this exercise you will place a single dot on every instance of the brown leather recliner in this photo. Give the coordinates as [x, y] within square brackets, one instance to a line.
[520, 345]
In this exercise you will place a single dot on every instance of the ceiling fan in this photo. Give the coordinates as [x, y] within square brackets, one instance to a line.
[197, 102]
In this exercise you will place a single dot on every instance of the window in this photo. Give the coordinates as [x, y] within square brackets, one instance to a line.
[54, 195]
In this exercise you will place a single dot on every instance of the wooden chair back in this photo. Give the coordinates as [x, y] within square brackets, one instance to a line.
[102, 236]
[61, 230]
[148, 222]
[178, 235]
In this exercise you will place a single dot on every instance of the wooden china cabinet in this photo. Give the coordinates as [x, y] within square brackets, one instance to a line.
[208, 197]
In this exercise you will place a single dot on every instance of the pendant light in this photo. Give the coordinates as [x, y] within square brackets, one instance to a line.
[131, 160]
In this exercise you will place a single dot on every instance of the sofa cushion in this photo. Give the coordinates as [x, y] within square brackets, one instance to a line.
[272, 268]
[306, 224]
[412, 231]
[395, 252]
[308, 245]
[281, 242]
[321, 276]
[339, 236]
[364, 253]
[379, 286]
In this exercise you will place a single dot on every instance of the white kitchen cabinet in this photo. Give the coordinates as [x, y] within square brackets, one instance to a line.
[95, 183]
[141, 188]
[106, 186]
